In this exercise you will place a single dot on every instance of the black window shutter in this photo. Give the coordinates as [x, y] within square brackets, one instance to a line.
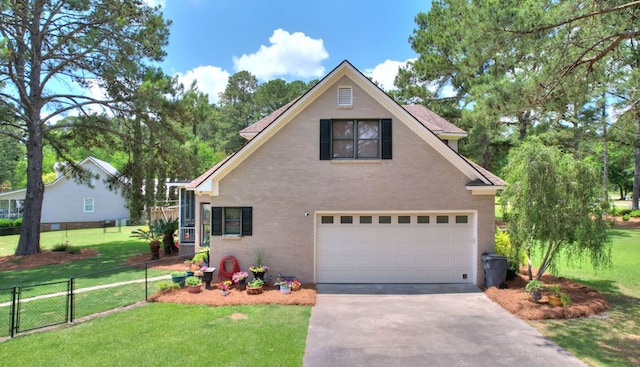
[216, 221]
[247, 221]
[386, 138]
[325, 139]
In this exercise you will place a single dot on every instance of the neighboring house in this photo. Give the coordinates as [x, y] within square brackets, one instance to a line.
[69, 205]
[344, 185]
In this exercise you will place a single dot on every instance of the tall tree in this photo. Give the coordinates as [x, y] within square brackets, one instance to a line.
[555, 205]
[56, 51]
[583, 38]
[238, 109]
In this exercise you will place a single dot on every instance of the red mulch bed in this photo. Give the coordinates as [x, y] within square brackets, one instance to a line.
[43, 258]
[270, 295]
[586, 301]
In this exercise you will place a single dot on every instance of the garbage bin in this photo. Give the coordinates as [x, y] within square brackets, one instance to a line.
[495, 269]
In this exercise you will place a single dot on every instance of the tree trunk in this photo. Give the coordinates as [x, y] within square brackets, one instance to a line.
[636, 171]
[605, 151]
[29, 242]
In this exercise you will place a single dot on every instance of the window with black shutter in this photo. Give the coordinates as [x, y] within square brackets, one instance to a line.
[231, 221]
[355, 139]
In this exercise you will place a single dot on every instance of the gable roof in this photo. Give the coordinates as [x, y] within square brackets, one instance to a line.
[434, 122]
[104, 166]
[417, 118]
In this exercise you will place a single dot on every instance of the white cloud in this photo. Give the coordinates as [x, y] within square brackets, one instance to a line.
[211, 80]
[291, 54]
[384, 74]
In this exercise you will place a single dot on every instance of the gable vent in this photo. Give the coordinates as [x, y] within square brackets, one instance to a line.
[345, 96]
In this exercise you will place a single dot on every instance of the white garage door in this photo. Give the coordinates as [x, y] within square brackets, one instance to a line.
[395, 248]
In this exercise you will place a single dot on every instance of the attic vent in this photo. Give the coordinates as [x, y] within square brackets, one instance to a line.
[345, 96]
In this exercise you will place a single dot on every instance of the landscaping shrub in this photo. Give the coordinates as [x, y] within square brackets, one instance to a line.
[60, 247]
[503, 243]
[622, 212]
[635, 214]
[10, 226]
[626, 217]
[503, 247]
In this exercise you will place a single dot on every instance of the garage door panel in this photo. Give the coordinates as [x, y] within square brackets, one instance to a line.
[394, 253]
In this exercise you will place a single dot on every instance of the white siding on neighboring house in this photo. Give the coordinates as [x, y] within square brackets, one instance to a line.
[65, 200]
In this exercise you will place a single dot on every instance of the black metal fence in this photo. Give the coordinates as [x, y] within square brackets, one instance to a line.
[25, 308]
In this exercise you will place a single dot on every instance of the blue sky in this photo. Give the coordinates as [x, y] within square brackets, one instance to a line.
[288, 39]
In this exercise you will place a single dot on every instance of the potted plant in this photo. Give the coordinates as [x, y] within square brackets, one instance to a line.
[259, 269]
[296, 285]
[178, 277]
[255, 286]
[557, 297]
[153, 234]
[194, 284]
[285, 286]
[240, 279]
[224, 287]
[534, 288]
[167, 228]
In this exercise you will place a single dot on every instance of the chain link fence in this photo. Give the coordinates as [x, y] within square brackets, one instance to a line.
[25, 308]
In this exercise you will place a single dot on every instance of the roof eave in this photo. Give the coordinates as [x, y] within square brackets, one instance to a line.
[485, 190]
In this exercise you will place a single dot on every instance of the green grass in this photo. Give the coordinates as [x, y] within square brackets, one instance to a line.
[114, 249]
[107, 267]
[159, 334]
[79, 237]
[610, 339]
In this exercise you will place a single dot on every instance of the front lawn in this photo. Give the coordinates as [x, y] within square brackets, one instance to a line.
[114, 249]
[611, 339]
[161, 334]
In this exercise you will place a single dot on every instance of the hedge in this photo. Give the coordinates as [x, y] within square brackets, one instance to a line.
[10, 226]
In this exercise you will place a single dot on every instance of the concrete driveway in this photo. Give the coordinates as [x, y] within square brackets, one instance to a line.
[422, 325]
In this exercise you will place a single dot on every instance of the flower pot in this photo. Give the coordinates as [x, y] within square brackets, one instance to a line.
[536, 295]
[194, 288]
[179, 280]
[285, 290]
[254, 290]
[241, 285]
[207, 276]
[554, 300]
[296, 287]
[258, 274]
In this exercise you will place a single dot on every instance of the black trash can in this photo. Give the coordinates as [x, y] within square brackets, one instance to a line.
[495, 269]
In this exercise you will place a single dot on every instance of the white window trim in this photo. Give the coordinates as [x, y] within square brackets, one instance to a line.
[93, 205]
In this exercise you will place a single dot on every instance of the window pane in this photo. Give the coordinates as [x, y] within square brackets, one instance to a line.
[404, 219]
[365, 219]
[88, 205]
[462, 219]
[367, 129]
[232, 220]
[385, 219]
[343, 149]
[342, 129]
[327, 219]
[346, 219]
[442, 219]
[423, 219]
[367, 148]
